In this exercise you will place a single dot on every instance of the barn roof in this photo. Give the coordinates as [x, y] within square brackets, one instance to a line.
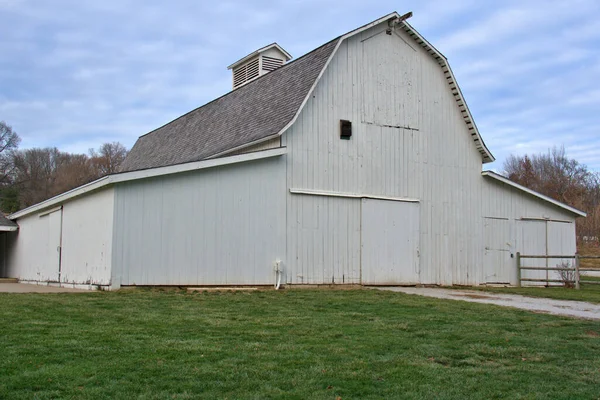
[263, 109]
[255, 111]
[6, 224]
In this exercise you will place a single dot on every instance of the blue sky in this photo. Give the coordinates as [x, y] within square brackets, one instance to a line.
[75, 74]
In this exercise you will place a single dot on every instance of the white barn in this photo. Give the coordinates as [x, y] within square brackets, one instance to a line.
[358, 163]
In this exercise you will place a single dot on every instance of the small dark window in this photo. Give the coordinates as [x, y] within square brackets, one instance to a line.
[345, 129]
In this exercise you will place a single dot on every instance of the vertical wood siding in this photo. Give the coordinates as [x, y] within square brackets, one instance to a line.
[499, 251]
[390, 242]
[531, 228]
[220, 226]
[326, 245]
[87, 232]
[408, 140]
[3, 268]
[86, 242]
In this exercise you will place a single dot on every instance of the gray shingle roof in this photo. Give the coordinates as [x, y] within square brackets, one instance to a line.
[257, 110]
[6, 222]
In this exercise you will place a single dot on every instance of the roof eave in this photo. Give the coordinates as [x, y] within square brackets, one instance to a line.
[143, 174]
[486, 154]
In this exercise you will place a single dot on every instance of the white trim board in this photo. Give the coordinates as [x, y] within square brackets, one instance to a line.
[507, 181]
[8, 228]
[351, 195]
[147, 173]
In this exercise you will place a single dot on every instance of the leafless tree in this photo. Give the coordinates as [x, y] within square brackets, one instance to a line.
[108, 158]
[562, 178]
[9, 141]
[44, 173]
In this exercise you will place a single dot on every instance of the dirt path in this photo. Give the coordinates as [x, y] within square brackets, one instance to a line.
[577, 309]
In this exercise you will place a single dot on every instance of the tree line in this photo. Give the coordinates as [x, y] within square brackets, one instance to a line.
[556, 175]
[29, 176]
[32, 175]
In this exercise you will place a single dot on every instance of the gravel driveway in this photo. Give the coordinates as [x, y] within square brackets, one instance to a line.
[577, 309]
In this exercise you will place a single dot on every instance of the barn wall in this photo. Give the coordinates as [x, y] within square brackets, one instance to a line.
[502, 200]
[529, 225]
[87, 239]
[3, 255]
[408, 140]
[28, 251]
[218, 226]
[84, 225]
[323, 240]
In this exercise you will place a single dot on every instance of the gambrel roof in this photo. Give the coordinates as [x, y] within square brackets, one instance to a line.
[257, 110]
[263, 109]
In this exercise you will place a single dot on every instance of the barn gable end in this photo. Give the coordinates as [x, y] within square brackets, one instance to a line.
[409, 140]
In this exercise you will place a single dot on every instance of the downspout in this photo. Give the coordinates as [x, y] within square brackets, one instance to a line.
[278, 273]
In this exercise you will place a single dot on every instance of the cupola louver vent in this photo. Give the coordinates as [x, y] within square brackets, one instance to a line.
[245, 73]
[258, 63]
[270, 63]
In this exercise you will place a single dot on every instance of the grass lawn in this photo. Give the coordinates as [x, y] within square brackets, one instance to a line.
[589, 292]
[292, 344]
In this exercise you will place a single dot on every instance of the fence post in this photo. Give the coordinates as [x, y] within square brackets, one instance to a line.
[576, 271]
[518, 269]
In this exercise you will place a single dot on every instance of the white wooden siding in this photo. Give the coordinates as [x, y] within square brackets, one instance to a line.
[389, 242]
[531, 225]
[219, 226]
[437, 164]
[3, 268]
[409, 139]
[561, 241]
[84, 225]
[34, 251]
[323, 240]
[499, 251]
[87, 230]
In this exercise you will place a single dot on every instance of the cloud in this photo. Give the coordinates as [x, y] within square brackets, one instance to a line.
[77, 74]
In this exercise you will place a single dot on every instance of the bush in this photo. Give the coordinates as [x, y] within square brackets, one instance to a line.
[567, 274]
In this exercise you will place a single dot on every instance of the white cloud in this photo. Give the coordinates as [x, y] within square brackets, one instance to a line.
[76, 74]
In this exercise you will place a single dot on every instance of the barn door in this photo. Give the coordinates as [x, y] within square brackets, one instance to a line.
[49, 269]
[498, 260]
[389, 242]
[532, 240]
[561, 241]
[545, 237]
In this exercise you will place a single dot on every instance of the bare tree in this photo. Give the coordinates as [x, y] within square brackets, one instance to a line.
[562, 178]
[44, 173]
[9, 141]
[108, 158]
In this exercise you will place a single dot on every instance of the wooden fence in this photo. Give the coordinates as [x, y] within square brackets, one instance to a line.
[576, 269]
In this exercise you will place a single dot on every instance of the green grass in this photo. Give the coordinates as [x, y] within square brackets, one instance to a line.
[589, 292]
[292, 344]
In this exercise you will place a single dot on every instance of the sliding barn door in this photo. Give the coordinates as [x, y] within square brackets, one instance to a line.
[498, 260]
[48, 268]
[389, 242]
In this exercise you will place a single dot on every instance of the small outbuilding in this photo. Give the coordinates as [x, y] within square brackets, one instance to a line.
[357, 163]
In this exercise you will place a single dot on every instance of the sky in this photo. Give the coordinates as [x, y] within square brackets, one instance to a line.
[76, 74]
